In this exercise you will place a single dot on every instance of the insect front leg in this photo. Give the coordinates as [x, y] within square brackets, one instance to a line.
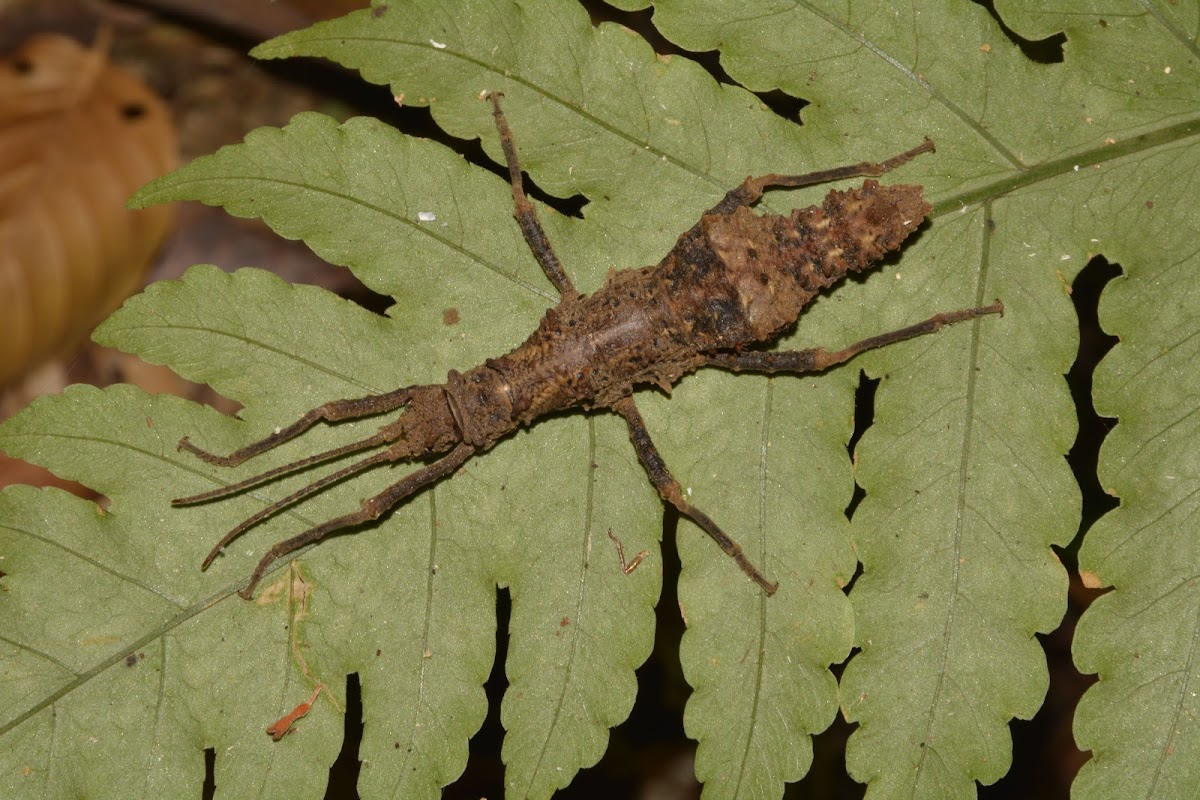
[817, 359]
[381, 438]
[372, 509]
[525, 213]
[670, 490]
[333, 411]
[425, 427]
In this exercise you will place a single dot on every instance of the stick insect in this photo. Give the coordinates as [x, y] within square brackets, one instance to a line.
[734, 279]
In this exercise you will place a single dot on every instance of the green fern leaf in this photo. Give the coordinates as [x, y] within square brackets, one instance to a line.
[122, 662]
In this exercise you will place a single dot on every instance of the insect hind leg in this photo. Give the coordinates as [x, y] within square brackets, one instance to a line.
[670, 490]
[752, 188]
[525, 213]
[818, 359]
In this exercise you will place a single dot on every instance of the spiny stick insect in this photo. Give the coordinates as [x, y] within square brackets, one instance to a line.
[733, 279]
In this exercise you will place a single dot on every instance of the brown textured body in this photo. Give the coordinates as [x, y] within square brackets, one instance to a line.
[731, 280]
[734, 279]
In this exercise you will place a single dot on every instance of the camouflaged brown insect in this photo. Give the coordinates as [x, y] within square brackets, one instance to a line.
[734, 279]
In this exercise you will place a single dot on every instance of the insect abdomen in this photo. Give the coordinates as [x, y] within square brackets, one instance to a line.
[731, 280]
[778, 264]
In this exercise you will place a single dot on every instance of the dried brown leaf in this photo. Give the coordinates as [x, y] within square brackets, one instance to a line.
[77, 136]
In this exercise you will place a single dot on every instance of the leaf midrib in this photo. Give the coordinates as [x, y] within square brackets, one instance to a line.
[579, 624]
[221, 183]
[1073, 162]
[744, 771]
[187, 613]
[646, 145]
[964, 468]
[120, 656]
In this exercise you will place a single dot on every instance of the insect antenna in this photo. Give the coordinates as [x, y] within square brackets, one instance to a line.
[286, 469]
[299, 494]
[372, 508]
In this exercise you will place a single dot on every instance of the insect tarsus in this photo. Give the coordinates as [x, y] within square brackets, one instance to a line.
[733, 279]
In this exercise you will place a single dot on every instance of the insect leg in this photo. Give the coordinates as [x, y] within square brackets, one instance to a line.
[333, 411]
[299, 494]
[670, 491]
[525, 213]
[817, 359]
[383, 437]
[752, 188]
[372, 509]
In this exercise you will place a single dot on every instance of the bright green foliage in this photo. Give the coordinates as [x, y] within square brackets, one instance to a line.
[122, 662]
